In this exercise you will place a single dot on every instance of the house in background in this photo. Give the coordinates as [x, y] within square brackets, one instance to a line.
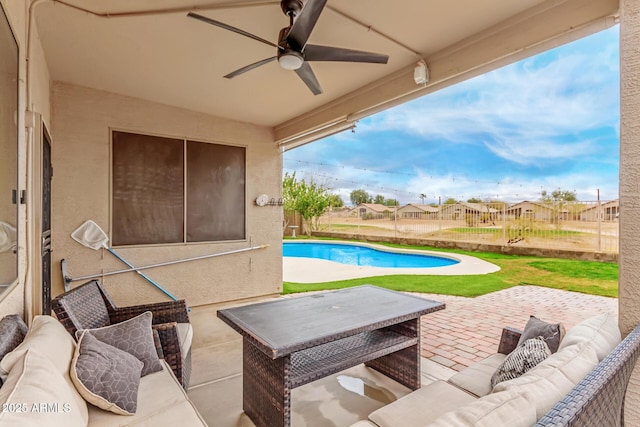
[373, 211]
[90, 90]
[465, 210]
[418, 211]
[607, 211]
[530, 210]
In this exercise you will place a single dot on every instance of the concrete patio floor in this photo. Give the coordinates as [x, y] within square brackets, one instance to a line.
[467, 330]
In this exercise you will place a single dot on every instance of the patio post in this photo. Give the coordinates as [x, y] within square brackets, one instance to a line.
[629, 261]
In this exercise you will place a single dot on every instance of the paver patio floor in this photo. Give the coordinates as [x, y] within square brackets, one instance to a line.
[469, 329]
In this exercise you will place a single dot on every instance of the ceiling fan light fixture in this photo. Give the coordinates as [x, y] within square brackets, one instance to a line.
[290, 60]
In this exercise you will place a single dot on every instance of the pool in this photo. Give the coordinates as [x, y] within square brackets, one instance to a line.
[363, 256]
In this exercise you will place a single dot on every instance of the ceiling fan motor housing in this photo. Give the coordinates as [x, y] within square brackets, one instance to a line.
[288, 58]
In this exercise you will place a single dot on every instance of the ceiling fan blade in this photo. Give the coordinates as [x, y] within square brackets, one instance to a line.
[304, 23]
[249, 67]
[306, 74]
[230, 28]
[314, 52]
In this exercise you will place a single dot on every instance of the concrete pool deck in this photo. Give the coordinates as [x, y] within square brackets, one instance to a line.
[311, 270]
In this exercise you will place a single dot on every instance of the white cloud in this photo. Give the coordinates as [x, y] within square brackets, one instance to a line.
[516, 110]
[560, 108]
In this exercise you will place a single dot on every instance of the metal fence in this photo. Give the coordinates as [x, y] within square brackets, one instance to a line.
[583, 226]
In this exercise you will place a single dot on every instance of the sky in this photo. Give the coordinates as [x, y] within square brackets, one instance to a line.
[548, 122]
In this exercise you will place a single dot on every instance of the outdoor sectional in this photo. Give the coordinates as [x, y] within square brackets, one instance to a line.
[582, 384]
[41, 377]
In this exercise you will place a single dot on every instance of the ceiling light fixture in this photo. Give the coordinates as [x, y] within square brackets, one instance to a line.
[290, 59]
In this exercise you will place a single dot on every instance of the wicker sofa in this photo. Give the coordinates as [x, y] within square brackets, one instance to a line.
[582, 384]
[40, 386]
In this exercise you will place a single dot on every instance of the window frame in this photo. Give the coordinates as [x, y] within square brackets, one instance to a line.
[185, 140]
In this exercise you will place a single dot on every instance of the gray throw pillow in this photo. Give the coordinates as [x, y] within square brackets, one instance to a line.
[12, 333]
[552, 333]
[105, 376]
[134, 336]
[520, 360]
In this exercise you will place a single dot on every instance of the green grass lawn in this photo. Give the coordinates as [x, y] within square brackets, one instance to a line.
[589, 277]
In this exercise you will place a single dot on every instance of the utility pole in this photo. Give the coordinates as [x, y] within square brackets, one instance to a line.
[598, 207]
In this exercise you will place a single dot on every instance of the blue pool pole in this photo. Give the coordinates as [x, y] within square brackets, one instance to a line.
[144, 276]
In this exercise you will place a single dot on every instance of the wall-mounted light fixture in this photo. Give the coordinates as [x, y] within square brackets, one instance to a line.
[263, 200]
[421, 73]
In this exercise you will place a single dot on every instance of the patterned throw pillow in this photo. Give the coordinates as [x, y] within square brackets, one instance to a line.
[134, 336]
[105, 376]
[552, 333]
[12, 332]
[524, 357]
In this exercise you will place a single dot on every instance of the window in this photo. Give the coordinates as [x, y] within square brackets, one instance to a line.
[167, 190]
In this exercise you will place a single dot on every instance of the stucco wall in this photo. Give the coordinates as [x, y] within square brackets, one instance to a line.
[82, 119]
[630, 188]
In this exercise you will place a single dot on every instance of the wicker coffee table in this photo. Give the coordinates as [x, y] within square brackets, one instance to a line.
[293, 341]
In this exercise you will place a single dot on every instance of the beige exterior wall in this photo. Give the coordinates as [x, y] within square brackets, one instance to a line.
[82, 119]
[630, 188]
[80, 145]
[530, 211]
[411, 211]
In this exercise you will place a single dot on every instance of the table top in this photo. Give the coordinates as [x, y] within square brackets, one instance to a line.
[287, 325]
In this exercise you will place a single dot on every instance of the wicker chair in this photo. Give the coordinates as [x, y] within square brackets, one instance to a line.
[89, 306]
[598, 400]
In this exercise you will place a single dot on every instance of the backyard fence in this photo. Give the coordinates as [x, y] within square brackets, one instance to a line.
[583, 226]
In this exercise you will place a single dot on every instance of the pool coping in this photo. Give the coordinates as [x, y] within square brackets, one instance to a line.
[309, 270]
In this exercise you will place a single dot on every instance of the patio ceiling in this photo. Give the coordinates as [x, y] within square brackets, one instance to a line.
[149, 49]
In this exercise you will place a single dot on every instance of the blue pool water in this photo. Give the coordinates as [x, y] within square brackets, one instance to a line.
[363, 256]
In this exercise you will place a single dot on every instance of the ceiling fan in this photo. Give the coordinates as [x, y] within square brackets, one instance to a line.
[293, 52]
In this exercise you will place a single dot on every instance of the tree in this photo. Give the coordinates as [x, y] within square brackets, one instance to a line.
[310, 200]
[558, 199]
[379, 199]
[474, 200]
[450, 201]
[558, 196]
[335, 201]
[422, 197]
[359, 196]
[289, 184]
[391, 202]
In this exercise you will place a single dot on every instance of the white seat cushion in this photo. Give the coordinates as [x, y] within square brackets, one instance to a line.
[48, 337]
[36, 394]
[505, 409]
[476, 378]
[161, 401]
[601, 332]
[422, 406]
